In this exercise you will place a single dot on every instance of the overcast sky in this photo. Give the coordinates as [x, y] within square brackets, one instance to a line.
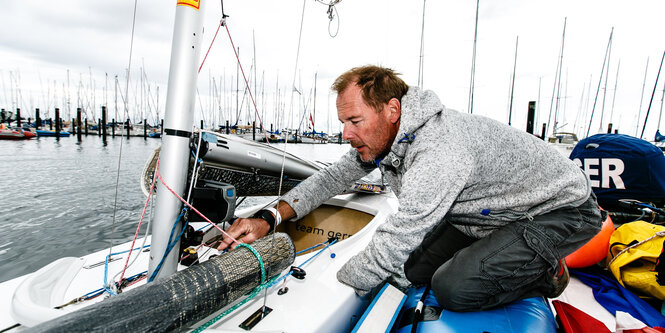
[44, 40]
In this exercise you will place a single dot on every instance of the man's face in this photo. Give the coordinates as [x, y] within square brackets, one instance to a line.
[371, 133]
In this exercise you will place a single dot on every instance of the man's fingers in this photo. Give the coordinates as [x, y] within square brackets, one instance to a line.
[237, 229]
[249, 229]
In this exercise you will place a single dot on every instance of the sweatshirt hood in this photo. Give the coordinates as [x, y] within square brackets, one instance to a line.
[418, 106]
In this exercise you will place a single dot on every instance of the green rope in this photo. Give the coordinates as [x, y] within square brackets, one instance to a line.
[258, 257]
[251, 295]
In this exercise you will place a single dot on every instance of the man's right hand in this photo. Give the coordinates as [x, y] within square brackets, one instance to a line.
[249, 229]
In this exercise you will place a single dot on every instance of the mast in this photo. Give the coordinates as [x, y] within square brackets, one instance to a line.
[178, 122]
[422, 50]
[660, 115]
[557, 77]
[614, 94]
[602, 71]
[473, 61]
[602, 109]
[558, 87]
[314, 119]
[512, 87]
[652, 94]
[639, 111]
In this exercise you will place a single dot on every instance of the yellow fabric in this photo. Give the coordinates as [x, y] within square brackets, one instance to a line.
[634, 268]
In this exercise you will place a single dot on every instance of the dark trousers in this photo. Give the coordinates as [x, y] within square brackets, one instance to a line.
[514, 262]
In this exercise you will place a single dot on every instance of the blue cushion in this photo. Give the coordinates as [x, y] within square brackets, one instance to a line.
[527, 315]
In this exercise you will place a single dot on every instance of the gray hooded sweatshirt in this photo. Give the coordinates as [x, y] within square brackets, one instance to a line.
[446, 167]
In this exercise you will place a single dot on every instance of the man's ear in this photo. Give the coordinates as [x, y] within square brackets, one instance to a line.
[395, 110]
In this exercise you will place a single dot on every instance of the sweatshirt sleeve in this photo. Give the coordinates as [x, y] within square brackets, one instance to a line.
[327, 183]
[429, 187]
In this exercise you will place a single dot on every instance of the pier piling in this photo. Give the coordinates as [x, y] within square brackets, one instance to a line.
[57, 124]
[78, 123]
[38, 121]
[127, 127]
[531, 113]
[104, 124]
[18, 117]
[145, 128]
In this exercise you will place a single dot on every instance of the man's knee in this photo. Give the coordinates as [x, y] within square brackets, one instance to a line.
[454, 293]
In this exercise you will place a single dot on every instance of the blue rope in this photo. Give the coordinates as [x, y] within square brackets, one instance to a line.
[170, 246]
[303, 264]
[106, 268]
[310, 248]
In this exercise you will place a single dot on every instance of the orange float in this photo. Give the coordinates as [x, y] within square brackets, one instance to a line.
[594, 250]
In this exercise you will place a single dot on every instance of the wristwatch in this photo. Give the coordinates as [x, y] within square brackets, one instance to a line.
[267, 216]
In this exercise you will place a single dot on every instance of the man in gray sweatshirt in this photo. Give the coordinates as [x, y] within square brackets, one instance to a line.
[486, 212]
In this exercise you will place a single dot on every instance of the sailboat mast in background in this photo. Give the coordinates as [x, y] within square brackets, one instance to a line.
[473, 61]
[512, 86]
[422, 50]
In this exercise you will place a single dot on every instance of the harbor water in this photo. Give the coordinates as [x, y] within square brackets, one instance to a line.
[64, 198]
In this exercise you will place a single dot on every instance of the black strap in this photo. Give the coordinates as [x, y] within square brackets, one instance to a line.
[267, 216]
[175, 132]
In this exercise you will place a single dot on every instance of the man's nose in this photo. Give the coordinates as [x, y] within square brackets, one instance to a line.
[346, 133]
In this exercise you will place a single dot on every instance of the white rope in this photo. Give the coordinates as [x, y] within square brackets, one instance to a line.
[658, 234]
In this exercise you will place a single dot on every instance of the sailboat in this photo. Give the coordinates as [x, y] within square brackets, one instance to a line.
[175, 279]
[85, 294]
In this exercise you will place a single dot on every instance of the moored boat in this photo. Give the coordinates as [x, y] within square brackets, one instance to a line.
[47, 133]
[15, 134]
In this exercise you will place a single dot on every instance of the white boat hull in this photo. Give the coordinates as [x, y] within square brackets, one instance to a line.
[318, 303]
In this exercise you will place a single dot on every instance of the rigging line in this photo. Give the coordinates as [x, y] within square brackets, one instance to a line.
[195, 175]
[138, 228]
[145, 239]
[245, 78]
[295, 69]
[117, 178]
[159, 176]
[652, 94]
[221, 23]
